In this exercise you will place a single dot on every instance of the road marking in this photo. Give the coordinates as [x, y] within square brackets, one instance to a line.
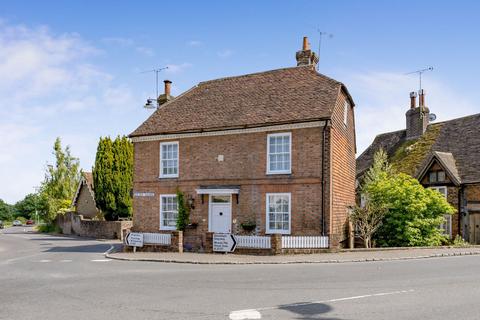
[255, 313]
[45, 260]
[66, 260]
[100, 260]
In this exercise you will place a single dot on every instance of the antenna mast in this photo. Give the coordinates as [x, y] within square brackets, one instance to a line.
[156, 71]
[153, 103]
[321, 34]
[420, 72]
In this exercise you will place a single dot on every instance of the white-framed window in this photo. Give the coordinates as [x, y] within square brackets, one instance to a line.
[278, 213]
[168, 212]
[346, 106]
[169, 159]
[446, 226]
[279, 153]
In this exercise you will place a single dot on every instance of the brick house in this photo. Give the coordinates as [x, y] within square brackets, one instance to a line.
[84, 199]
[273, 150]
[444, 156]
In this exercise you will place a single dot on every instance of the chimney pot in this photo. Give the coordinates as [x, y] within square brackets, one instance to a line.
[413, 98]
[167, 87]
[306, 45]
[421, 99]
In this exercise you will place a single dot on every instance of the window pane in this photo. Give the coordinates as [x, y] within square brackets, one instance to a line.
[433, 177]
[441, 176]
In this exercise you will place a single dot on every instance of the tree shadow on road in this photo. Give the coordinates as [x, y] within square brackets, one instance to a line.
[92, 248]
[310, 311]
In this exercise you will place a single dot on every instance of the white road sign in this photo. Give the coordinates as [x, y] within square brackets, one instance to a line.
[224, 242]
[134, 239]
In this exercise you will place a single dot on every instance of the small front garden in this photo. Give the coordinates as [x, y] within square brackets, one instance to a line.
[397, 211]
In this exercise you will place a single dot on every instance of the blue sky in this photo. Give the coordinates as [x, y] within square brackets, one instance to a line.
[72, 68]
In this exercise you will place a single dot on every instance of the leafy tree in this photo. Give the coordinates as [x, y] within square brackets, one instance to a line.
[183, 211]
[32, 203]
[367, 220]
[6, 211]
[113, 177]
[413, 213]
[61, 181]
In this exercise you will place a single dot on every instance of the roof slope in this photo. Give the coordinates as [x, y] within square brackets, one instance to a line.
[457, 144]
[271, 97]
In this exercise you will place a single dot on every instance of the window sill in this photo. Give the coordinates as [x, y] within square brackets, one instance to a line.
[277, 173]
[168, 177]
[168, 229]
[272, 232]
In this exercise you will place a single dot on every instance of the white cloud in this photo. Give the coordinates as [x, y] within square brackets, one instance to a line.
[145, 51]
[124, 42]
[49, 87]
[382, 98]
[225, 53]
[177, 68]
[194, 43]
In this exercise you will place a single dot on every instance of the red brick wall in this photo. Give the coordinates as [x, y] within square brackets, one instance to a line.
[342, 170]
[245, 165]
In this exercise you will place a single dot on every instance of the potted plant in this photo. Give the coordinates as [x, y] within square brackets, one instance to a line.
[248, 225]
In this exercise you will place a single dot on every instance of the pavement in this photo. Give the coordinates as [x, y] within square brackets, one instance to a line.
[57, 277]
[333, 257]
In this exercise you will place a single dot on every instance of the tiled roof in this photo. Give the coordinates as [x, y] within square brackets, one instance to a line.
[457, 144]
[89, 179]
[272, 97]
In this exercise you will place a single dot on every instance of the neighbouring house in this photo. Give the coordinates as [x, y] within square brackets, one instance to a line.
[86, 220]
[267, 153]
[444, 156]
[84, 199]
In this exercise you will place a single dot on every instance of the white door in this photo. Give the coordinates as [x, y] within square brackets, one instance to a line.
[220, 214]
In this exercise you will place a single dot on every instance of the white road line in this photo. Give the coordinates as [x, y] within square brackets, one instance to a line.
[45, 260]
[255, 313]
[100, 260]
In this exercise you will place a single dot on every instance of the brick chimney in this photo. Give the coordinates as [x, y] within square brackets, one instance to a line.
[163, 98]
[417, 117]
[306, 56]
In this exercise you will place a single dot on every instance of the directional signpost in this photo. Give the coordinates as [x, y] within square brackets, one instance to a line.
[224, 242]
[134, 239]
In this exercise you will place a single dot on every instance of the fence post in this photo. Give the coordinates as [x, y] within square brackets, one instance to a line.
[276, 243]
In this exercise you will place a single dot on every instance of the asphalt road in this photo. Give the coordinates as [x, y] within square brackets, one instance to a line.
[48, 277]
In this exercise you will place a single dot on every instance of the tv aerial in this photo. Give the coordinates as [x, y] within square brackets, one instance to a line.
[152, 103]
[420, 72]
[322, 34]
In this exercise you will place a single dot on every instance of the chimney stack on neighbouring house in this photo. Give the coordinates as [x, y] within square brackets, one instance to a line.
[413, 100]
[306, 56]
[166, 96]
[417, 117]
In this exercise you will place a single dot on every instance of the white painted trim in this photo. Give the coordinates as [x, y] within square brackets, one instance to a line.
[178, 160]
[210, 210]
[218, 191]
[267, 219]
[162, 227]
[289, 134]
[281, 127]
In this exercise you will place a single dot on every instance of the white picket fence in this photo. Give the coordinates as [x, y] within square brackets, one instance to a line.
[304, 242]
[157, 238]
[253, 242]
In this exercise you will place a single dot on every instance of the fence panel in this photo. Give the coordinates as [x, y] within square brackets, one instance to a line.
[304, 242]
[157, 238]
[253, 242]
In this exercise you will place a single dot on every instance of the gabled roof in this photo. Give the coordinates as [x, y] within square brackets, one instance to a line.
[447, 161]
[287, 95]
[86, 179]
[457, 145]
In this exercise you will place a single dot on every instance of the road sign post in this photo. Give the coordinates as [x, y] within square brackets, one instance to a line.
[134, 239]
[224, 242]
